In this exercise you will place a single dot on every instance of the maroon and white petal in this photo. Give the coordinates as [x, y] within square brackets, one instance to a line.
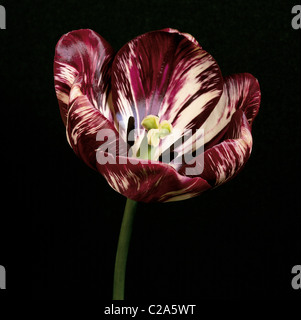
[240, 91]
[187, 35]
[223, 161]
[244, 93]
[85, 123]
[149, 181]
[211, 130]
[168, 75]
[83, 52]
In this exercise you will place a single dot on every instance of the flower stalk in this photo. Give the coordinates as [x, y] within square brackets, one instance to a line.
[123, 248]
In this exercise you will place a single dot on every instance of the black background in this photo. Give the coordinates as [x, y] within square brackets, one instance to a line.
[238, 241]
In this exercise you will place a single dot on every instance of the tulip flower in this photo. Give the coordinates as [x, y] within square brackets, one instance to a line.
[127, 112]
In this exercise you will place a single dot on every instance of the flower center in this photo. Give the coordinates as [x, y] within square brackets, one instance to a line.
[156, 130]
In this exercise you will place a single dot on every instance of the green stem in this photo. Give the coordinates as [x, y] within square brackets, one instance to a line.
[123, 248]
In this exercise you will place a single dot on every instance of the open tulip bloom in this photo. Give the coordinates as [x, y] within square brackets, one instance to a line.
[156, 119]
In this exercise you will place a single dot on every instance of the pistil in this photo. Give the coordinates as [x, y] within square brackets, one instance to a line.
[155, 132]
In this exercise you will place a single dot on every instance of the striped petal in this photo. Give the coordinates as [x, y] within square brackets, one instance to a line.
[187, 35]
[150, 181]
[87, 53]
[244, 93]
[240, 91]
[226, 159]
[84, 123]
[165, 74]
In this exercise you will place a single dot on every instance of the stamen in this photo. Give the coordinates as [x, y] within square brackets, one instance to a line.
[131, 126]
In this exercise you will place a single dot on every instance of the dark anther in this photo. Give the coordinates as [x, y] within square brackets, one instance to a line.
[130, 131]
[168, 155]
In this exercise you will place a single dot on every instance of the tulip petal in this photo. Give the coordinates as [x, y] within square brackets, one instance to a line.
[165, 74]
[187, 35]
[83, 52]
[223, 161]
[241, 91]
[150, 181]
[84, 123]
[244, 92]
